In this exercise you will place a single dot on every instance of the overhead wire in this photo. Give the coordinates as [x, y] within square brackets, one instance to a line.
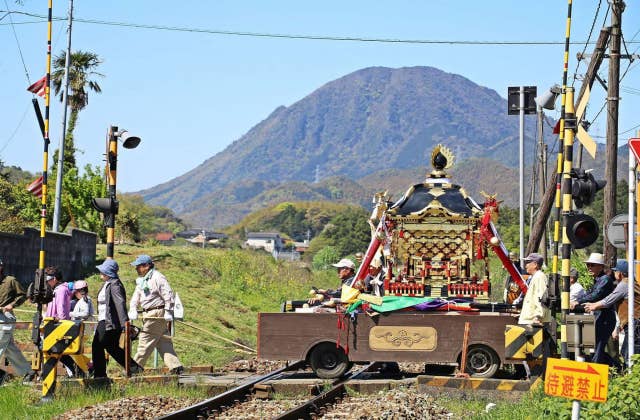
[630, 66]
[24, 66]
[15, 35]
[586, 44]
[294, 36]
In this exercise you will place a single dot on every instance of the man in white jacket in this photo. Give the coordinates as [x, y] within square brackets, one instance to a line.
[535, 311]
[154, 295]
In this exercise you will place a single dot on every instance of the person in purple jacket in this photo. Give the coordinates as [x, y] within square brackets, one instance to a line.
[60, 307]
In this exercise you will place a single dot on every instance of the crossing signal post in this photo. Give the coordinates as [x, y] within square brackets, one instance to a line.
[109, 206]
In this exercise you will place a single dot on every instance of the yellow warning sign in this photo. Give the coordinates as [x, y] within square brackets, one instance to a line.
[576, 380]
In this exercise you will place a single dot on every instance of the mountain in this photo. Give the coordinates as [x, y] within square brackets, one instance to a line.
[375, 119]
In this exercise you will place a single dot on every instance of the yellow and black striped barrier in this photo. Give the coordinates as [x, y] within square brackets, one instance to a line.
[485, 384]
[60, 338]
[522, 342]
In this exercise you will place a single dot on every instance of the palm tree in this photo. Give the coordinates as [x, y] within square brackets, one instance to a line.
[82, 75]
[81, 71]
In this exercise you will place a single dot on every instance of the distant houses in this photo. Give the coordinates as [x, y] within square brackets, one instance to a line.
[165, 238]
[269, 241]
[200, 236]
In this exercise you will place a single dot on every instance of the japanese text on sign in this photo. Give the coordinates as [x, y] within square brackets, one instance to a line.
[576, 380]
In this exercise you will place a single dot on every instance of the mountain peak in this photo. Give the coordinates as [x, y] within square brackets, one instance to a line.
[372, 119]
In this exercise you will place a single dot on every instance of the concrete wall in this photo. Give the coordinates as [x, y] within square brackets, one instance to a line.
[73, 253]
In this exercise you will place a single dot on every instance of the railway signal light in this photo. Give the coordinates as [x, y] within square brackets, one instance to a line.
[108, 207]
[584, 187]
[582, 230]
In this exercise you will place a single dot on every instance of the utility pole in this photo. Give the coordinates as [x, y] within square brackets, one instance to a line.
[613, 101]
[542, 176]
[65, 99]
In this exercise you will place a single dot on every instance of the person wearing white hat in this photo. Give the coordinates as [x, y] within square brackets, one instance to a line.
[605, 319]
[346, 271]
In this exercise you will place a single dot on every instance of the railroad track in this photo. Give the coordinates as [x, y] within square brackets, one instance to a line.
[229, 398]
[242, 393]
[317, 406]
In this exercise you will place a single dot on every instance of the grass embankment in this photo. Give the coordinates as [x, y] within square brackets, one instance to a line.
[221, 290]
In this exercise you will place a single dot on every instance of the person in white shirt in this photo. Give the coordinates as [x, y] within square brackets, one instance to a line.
[535, 309]
[83, 309]
[156, 298]
[576, 291]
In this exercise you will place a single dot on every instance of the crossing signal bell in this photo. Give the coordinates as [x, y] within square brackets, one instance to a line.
[108, 207]
[584, 187]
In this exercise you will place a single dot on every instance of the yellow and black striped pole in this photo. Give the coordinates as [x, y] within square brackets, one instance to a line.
[112, 164]
[40, 286]
[569, 135]
[564, 288]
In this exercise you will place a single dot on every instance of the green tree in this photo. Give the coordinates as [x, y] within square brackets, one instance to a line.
[325, 257]
[348, 231]
[18, 208]
[77, 206]
[137, 219]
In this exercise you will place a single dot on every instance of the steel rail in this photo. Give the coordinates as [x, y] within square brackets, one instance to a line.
[227, 398]
[312, 406]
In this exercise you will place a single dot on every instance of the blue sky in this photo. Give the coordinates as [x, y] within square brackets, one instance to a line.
[191, 94]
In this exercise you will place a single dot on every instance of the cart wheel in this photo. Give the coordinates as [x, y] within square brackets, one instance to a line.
[482, 362]
[329, 361]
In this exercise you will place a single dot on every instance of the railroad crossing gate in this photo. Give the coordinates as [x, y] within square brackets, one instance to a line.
[60, 338]
[521, 342]
[576, 380]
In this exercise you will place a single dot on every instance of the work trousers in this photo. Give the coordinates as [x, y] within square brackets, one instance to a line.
[153, 336]
[604, 323]
[8, 347]
[625, 346]
[106, 340]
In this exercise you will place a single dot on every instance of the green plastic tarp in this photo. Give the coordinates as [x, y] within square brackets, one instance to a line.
[392, 303]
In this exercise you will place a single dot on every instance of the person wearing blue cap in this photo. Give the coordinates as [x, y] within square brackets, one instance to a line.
[154, 295]
[619, 298]
[112, 318]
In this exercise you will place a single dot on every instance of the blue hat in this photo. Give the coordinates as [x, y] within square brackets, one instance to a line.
[621, 266]
[109, 268]
[142, 259]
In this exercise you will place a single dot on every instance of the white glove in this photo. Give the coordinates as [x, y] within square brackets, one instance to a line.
[168, 316]
[133, 314]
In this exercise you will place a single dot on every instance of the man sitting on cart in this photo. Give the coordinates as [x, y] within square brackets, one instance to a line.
[346, 272]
